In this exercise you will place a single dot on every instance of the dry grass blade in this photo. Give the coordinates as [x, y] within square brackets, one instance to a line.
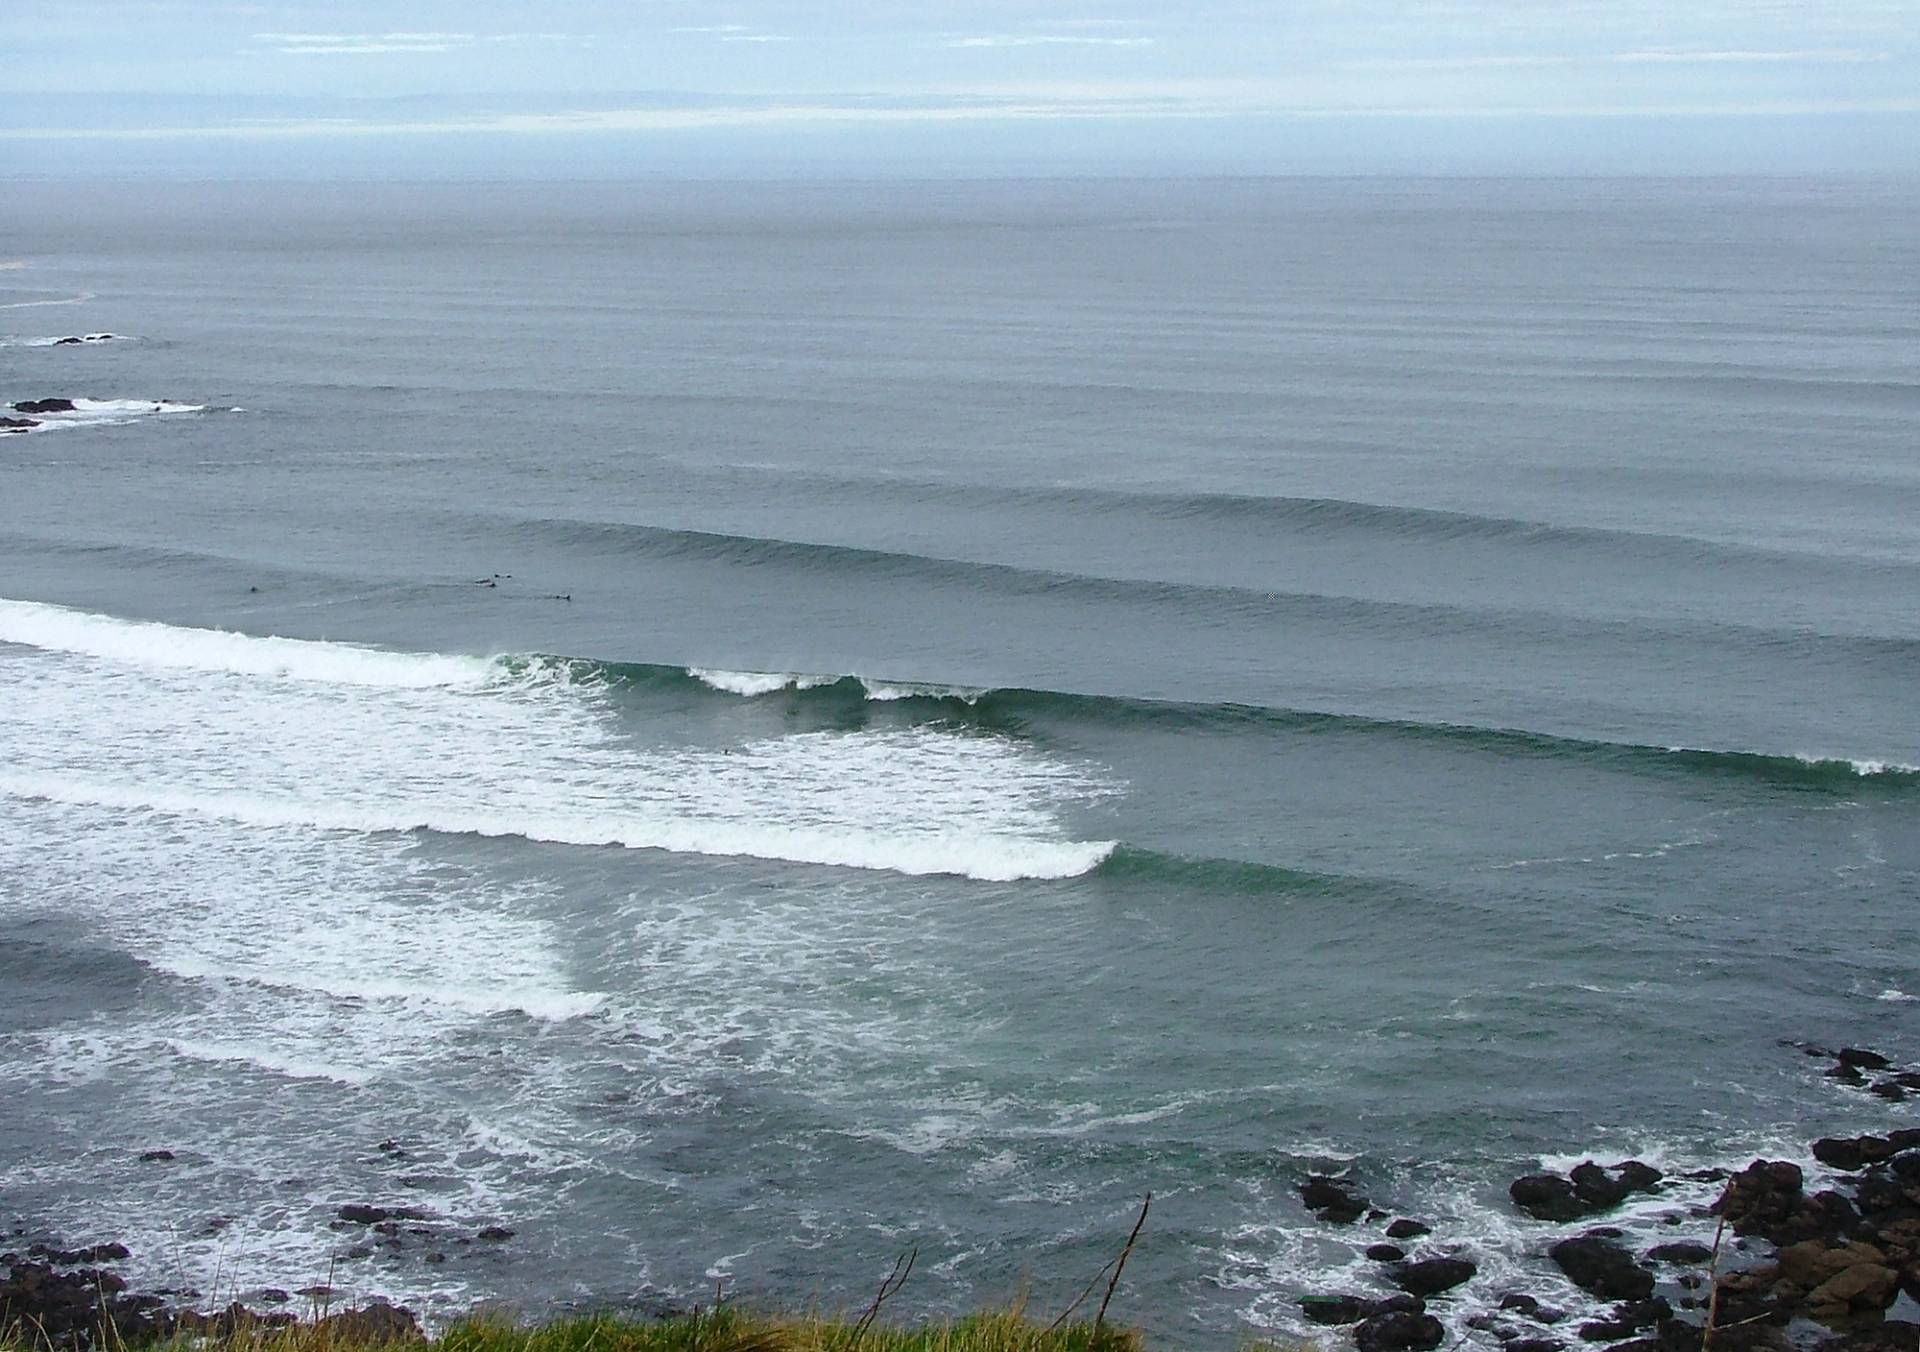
[902, 1269]
[1120, 1265]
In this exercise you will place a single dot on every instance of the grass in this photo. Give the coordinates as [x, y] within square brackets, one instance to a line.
[723, 1330]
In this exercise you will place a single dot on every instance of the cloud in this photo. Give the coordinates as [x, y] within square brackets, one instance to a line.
[362, 44]
[1817, 55]
[1045, 40]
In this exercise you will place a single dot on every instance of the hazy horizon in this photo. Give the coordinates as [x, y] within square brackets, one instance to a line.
[503, 88]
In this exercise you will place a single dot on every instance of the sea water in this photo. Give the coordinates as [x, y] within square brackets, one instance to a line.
[735, 730]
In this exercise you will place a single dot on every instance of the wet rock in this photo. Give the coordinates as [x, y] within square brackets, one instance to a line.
[1535, 1344]
[1385, 1253]
[156, 1156]
[1431, 1276]
[1408, 1229]
[1862, 1059]
[1547, 1197]
[1602, 1267]
[1330, 1200]
[66, 342]
[17, 424]
[1398, 1331]
[97, 1253]
[1761, 1196]
[1686, 1251]
[495, 1234]
[1625, 1320]
[273, 1295]
[1335, 1309]
[44, 406]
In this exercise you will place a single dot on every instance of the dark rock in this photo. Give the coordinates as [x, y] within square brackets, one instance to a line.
[44, 406]
[63, 342]
[360, 1214]
[1535, 1344]
[1602, 1267]
[495, 1233]
[1431, 1276]
[1888, 1090]
[377, 1322]
[1895, 1335]
[1408, 1229]
[17, 424]
[1385, 1253]
[1547, 1197]
[1335, 1309]
[1596, 1187]
[1849, 1056]
[1688, 1251]
[1825, 1215]
[273, 1295]
[1520, 1302]
[1761, 1196]
[1398, 1331]
[1853, 1153]
[156, 1156]
[1329, 1199]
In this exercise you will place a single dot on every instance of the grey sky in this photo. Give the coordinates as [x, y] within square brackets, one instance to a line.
[1211, 85]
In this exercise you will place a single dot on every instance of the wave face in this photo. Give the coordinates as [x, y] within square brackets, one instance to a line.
[293, 734]
[1017, 708]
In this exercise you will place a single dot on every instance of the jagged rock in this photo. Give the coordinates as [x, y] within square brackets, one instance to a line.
[1602, 1267]
[1547, 1197]
[1329, 1199]
[1431, 1276]
[1398, 1331]
[1861, 1058]
[1408, 1229]
[1761, 1196]
[1862, 1287]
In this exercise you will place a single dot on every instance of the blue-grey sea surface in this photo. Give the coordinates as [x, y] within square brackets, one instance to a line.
[734, 730]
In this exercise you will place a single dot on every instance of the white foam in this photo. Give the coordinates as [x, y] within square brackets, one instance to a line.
[961, 853]
[296, 734]
[1893, 996]
[142, 643]
[80, 299]
[755, 683]
[67, 340]
[271, 1059]
[101, 413]
[1866, 768]
[898, 690]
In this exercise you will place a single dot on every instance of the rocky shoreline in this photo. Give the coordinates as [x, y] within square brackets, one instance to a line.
[1773, 1265]
[1766, 1266]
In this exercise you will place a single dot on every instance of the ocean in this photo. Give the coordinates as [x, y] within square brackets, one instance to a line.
[735, 730]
